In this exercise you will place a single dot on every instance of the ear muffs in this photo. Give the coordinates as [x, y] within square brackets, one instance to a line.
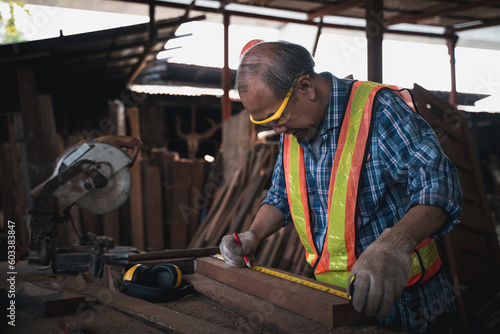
[138, 274]
[166, 275]
[163, 283]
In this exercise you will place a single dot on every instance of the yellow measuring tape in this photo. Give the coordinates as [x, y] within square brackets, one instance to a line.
[295, 279]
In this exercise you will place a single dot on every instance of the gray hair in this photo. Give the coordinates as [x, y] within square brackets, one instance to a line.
[277, 63]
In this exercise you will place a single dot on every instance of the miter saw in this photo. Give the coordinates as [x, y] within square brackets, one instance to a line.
[94, 175]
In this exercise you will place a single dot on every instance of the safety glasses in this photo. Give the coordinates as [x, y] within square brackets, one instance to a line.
[279, 117]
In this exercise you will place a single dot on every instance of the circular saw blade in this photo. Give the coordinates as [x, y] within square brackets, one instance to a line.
[109, 198]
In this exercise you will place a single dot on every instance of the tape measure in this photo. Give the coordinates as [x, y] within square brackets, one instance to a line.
[295, 279]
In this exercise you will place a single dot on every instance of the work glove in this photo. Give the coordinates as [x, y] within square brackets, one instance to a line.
[233, 253]
[379, 275]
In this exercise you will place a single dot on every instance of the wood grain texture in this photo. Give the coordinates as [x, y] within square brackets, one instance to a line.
[319, 306]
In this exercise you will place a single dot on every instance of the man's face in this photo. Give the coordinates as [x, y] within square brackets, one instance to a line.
[262, 104]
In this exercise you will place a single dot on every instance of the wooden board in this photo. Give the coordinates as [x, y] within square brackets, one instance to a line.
[260, 313]
[319, 306]
[45, 301]
[153, 209]
[136, 200]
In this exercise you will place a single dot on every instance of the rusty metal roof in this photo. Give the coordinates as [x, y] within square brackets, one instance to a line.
[113, 55]
[456, 15]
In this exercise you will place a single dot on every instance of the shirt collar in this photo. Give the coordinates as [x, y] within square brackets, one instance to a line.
[338, 97]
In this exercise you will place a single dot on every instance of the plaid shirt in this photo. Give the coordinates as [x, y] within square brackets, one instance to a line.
[405, 167]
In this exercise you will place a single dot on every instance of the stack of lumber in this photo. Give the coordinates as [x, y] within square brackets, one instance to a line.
[180, 198]
[247, 171]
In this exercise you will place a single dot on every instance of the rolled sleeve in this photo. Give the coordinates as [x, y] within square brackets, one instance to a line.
[413, 157]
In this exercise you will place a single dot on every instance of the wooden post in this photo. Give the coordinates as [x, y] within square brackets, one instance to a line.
[136, 204]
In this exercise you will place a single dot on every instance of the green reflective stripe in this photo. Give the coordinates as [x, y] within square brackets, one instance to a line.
[429, 255]
[338, 278]
[336, 239]
[297, 208]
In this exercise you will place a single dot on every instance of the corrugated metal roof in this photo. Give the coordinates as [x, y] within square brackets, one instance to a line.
[455, 15]
[113, 55]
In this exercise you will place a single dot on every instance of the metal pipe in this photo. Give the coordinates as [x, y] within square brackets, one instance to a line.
[374, 38]
[451, 43]
[226, 71]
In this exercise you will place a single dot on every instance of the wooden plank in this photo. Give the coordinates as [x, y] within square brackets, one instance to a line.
[319, 306]
[199, 198]
[41, 142]
[15, 186]
[111, 225]
[181, 206]
[90, 222]
[136, 203]
[225, 204]
[260, 313]
[153, 212]
[287, 257]
[166, 160]
[236, 139]
[249, 193]
[47, 302]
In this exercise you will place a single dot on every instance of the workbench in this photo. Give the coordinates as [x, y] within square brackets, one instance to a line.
[219, 309]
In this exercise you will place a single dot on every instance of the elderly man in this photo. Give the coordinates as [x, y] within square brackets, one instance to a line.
[362, 177]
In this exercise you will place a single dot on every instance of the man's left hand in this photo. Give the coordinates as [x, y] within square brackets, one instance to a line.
[381, 273]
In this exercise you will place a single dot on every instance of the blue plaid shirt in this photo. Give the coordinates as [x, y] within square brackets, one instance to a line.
[405, 167]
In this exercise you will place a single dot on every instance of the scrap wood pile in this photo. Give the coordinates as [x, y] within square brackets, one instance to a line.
[247, 177]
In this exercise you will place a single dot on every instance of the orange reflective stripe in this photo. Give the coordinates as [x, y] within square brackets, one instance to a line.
[428, 257]
[344, 180]
[295, 180]
[334, 246]
[355, 175]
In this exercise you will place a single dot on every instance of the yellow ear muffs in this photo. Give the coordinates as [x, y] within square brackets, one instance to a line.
[163, 283]
[137, 274]
[166, 275]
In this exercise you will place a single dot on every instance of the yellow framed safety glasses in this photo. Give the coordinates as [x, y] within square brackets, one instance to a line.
[278, 118]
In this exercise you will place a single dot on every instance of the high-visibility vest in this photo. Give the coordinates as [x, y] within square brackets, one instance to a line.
[337, 257]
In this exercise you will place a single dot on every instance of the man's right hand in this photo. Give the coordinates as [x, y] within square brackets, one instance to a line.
[233, 253]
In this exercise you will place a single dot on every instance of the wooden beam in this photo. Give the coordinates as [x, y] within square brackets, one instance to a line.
[323, 307]
[152, 33]
[261, 314]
